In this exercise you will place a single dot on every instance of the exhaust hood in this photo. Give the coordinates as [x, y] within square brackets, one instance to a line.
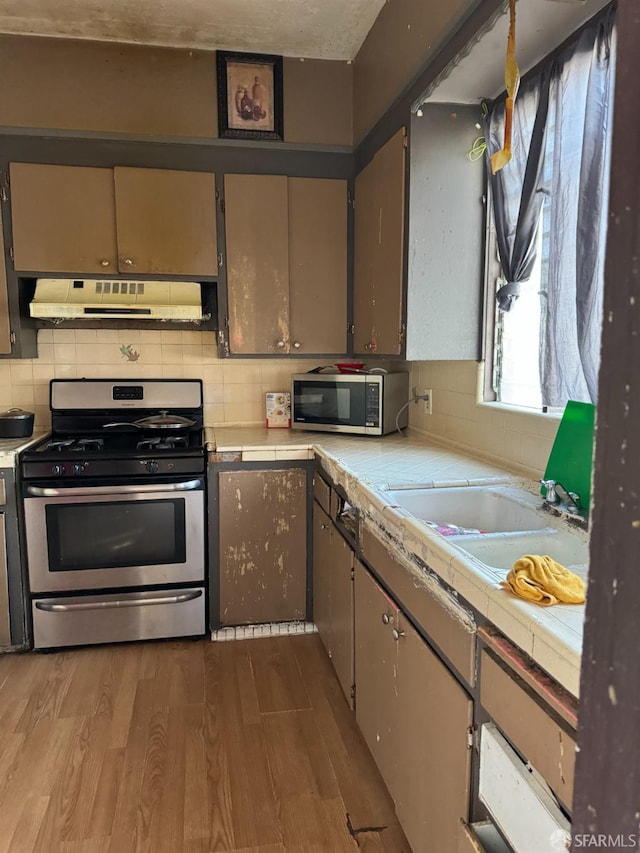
[68, 298]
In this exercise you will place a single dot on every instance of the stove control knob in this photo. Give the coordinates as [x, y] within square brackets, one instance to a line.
[152, 466]
[78, 468]
[58, 470]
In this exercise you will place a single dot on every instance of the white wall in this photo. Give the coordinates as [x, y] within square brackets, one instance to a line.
[518, 438]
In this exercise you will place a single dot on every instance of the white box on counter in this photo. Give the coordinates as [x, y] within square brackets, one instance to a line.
[278, 409]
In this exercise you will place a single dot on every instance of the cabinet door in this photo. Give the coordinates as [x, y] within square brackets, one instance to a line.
[63, 219]
[317, 265]
[414, 716]
[166, 222]
[379, 251]
[263, 555]
[430, 784]
[5, 627]
[341, 567]
[322, 575]
[5, 323]
[256, 225]
[375, 663]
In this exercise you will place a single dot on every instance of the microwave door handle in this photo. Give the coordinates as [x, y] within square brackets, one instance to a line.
[37, 491]
[52, 607]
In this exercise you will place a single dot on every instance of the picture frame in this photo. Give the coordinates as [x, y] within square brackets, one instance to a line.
[249, 96]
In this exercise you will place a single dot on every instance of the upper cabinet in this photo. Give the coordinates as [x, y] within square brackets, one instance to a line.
[446, 236]
[5, 324]
[379, 251]
[75, 219]
[286, 242]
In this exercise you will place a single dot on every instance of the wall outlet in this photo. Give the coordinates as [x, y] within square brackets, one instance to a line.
[427, 396]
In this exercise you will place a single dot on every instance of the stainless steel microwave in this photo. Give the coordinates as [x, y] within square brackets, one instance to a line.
[360, 403]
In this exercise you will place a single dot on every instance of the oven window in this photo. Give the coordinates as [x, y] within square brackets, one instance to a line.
[115, 535]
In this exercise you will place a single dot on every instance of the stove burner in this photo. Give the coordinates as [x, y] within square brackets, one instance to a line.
[169, 442]
[76, 444]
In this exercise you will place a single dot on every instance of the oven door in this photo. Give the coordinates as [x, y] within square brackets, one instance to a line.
[106, 537]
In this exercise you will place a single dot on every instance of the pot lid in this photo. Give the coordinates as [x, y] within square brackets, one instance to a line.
[165, 419]
[18, 414]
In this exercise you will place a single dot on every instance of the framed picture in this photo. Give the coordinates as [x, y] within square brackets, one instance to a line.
[249, 96]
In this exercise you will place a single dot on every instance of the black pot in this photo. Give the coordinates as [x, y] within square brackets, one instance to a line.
[15, 423]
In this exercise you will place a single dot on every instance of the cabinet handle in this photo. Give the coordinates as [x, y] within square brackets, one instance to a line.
[297, 344]
[104, 262]
[386, 619]
[324, 526]
[397, 634]
[128, 262]
[280, 344]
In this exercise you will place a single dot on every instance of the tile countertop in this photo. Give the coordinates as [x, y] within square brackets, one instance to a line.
[10, 448]
[366, 467]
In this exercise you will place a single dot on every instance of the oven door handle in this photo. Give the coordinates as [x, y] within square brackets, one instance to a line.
[125, 602]
[187, 485]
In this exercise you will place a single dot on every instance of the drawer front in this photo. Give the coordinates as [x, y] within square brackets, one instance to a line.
[527, 815]
[547, 745]
[480, 837]
[84, 620]
[455, 640]
[322, 493]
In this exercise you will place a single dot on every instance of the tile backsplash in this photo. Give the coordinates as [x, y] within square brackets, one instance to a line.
[233, 390]
[519, 438]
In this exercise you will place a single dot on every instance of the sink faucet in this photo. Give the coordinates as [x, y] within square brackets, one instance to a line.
[558, 495]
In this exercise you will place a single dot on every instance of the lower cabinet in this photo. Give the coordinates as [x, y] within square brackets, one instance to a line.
[415, 718]
[333, 562]
[262, 545]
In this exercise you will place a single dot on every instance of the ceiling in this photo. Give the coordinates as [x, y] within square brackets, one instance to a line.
[321, 29]
[541, 25]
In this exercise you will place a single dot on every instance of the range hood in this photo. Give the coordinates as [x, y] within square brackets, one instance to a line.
[68, 298]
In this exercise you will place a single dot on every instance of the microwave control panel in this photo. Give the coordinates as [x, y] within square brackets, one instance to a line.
[372, 403]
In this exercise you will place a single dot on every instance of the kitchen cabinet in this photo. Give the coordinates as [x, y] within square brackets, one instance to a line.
[5, 322]
[333, 564]
[415, 718]
[5, 626]
[84, 220]
[539, 733]
[379, 251]
[262, 545]
[286, 258]
[446, 237]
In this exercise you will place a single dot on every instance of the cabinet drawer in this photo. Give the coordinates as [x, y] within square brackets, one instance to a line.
[452, 636]
[481, 838]
[542, 740]
[322, 493]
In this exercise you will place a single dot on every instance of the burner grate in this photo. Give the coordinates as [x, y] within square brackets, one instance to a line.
[170, 442]
[75, 444]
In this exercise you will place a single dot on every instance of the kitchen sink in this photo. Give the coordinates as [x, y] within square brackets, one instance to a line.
[483, 509]
[500, 552]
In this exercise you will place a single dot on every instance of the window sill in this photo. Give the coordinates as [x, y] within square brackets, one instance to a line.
[521, 410]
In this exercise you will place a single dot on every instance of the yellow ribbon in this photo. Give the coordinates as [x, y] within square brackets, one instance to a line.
[512, 81]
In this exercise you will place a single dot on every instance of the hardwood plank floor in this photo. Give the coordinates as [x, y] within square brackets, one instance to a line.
[186, 747]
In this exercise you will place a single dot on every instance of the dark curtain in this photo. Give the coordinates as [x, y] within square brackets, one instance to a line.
[516, 189]
[560, 151]
[581, 95]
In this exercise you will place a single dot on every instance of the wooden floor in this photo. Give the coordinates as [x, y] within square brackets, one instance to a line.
[186, 747]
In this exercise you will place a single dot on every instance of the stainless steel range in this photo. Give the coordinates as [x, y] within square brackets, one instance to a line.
[115, 513]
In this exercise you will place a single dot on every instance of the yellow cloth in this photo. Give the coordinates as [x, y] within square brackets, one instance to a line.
[544, 581]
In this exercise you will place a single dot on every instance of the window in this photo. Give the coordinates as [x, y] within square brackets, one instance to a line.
[549, 210]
